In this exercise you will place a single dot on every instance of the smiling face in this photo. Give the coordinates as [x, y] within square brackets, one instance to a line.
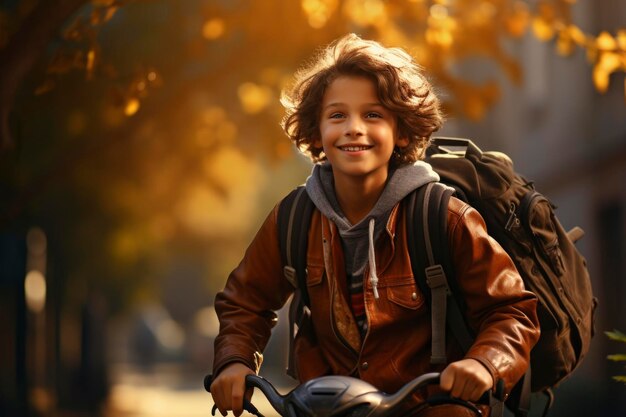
[358, 134]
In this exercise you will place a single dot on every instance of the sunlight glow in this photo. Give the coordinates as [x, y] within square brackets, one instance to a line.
[206, 322]
[170, 334]
[35, 291]
[254, 98]
[318, 11]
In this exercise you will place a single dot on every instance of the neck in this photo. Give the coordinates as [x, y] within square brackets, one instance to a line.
[357, 196]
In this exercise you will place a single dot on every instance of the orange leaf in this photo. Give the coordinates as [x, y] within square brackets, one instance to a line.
[517, 22]
[600, 78]
[606, 42]
[213, 28]
[90, 65]
[132, 106]
[542, 29]
[576, 34]
[564, 44]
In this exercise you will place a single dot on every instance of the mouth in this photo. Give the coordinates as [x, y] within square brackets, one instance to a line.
[355, 148]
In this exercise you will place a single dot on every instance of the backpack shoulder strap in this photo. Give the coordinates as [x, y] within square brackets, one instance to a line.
[294, 218]
[426, 217]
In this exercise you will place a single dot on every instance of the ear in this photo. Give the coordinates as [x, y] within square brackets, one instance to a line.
[317, 143]
[402, 142]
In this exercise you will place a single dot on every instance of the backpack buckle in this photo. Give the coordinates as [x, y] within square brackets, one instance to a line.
[436, 278]
[290, 274]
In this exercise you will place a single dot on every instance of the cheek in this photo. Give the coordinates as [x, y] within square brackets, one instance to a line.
[328, 133]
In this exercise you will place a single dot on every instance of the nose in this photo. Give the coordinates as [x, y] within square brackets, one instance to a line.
[355, 127]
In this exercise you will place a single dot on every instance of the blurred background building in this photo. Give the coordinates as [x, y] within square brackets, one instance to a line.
[141, 150]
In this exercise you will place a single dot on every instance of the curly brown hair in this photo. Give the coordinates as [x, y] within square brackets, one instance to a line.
[400, 84]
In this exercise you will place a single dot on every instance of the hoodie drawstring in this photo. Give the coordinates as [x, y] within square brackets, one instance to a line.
[372, 260]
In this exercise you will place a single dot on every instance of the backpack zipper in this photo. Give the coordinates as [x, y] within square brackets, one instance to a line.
[513, 220]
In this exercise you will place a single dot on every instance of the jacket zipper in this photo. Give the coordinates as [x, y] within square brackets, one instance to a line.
[332, 281]
[367, 315]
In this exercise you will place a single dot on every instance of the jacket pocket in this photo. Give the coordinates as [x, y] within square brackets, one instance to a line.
[403, 292]
[309, 360]
[314, 275]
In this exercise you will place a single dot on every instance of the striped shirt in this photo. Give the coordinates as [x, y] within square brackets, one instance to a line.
[357, 302]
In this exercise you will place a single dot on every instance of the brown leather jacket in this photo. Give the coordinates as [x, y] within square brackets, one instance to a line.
[396, 348]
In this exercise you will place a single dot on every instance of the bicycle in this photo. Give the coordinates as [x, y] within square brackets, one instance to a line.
[342, 396]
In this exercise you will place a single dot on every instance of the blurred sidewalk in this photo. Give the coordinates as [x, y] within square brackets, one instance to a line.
[165, 391]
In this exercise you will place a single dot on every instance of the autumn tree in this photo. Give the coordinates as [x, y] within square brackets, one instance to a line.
[138, 126]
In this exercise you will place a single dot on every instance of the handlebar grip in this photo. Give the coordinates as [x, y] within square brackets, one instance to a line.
[485, 398]
[247, 405]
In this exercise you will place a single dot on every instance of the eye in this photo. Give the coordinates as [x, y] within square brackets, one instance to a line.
[373, 115]
[336, 115]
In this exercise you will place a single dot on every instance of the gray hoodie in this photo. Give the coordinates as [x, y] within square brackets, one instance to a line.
[358, 240]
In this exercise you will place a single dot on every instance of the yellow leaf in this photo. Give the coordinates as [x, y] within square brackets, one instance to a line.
[610, 62]
[132, 106]
[318, 11]
[254, 98]
[542, 29]
[213, 28]
[564, 44]
[365, 12]
[592, 53]
[606, 42]
[517, 22]
[600, 79]
[576, 34]
[90, 65]
[438, 11]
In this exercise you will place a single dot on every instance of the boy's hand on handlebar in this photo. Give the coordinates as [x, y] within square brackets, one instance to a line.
[229, 388]
[466, 379]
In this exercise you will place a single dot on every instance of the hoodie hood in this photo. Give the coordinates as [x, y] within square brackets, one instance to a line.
[358, 239]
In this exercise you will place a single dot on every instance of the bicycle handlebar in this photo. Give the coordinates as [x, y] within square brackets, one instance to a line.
[334, 396]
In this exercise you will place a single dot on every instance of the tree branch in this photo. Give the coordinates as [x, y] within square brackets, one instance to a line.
[23, 50]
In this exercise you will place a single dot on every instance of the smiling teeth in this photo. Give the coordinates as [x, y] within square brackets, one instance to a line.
[355, 148]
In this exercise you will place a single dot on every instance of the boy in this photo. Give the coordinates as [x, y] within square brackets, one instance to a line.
[364, 114]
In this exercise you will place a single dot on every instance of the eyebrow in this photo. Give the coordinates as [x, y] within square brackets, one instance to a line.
[339, 104]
